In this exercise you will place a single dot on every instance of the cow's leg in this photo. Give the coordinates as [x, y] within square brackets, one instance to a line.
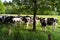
[20, 23]
[27, 24]
[54, 26]
[15, 24]
[9, 31]
[32, 24]
[44, 28]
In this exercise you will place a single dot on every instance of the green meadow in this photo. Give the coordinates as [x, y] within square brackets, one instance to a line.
[26, 33]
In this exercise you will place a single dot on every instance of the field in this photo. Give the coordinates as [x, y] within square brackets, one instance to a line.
[23, 33]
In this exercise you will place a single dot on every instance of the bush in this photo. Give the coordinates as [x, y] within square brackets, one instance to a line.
[48, 12]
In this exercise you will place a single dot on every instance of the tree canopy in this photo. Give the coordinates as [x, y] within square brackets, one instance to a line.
[44, 7]
[2, 7]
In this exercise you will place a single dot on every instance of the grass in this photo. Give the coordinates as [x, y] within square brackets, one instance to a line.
[23, 33]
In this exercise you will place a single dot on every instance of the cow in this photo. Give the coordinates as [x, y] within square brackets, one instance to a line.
[21, 19]
[16, 20]
[27, 20]
[48, 21]
[1, 19]
[8, 19]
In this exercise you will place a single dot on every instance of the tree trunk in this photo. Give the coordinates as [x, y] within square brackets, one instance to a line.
[34, 11]
[49, 37]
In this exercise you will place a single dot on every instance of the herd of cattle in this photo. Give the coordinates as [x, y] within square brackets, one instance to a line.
[28, 20]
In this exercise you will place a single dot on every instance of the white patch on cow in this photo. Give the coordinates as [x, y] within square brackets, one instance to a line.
[16, 20]
[0, 16]
[46, 20]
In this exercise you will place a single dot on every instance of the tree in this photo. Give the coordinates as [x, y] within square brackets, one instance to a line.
[8, 7]
[34, 11]
[2, 7]
[28, 4]
[23, 4]
[48, 5]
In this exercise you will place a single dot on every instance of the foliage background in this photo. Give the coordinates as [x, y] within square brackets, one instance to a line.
[44, 7]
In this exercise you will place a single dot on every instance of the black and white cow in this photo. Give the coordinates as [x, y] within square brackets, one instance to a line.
[1, 18]
[12, 19]
[48, 21]
[8, 19]
[26, 19]
[17, 20]
[21, 19]
[29, 20]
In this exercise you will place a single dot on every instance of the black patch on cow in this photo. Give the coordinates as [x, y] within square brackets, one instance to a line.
[8, 19]
[50, 21]
[43, 23]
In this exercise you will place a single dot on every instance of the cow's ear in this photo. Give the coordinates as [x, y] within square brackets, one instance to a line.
[38, 18]
[41, 19]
